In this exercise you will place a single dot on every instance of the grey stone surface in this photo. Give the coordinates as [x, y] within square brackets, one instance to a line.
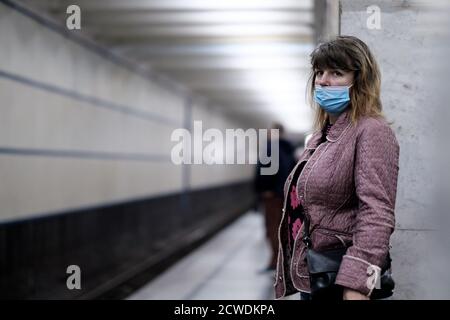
[403, 50]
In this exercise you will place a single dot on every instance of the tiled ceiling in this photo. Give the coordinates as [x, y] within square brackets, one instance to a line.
[249, 57]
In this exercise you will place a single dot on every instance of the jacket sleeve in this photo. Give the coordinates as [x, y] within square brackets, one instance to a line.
[375, 173]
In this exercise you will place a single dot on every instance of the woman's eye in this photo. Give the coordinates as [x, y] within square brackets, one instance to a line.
[319, 73]
[337, 73]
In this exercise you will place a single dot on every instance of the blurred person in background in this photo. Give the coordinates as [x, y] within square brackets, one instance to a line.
[270, 189]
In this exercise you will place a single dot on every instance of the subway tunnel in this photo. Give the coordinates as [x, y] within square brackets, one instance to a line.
[108, 189]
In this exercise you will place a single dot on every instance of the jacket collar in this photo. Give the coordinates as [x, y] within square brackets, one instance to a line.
[335, 133]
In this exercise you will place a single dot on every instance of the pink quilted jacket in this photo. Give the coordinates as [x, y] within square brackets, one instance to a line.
[348, 189]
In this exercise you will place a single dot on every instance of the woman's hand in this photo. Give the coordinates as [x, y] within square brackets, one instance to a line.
[350, 294]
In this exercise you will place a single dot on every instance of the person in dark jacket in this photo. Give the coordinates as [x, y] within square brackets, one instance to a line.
[270, 189]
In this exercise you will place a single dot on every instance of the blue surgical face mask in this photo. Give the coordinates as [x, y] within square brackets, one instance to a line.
[332, 99]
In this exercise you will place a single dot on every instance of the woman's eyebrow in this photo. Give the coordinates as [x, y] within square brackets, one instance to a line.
[330, 69]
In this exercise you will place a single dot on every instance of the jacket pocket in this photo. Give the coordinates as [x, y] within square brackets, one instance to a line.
[325, 239]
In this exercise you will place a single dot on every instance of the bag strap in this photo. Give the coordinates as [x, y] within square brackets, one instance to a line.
[306, 238]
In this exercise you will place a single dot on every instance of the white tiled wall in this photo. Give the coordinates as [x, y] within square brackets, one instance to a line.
[37, 112]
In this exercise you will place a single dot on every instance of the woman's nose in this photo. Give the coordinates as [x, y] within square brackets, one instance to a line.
[324, 80]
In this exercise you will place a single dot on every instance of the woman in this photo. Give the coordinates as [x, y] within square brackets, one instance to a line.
[345, 183]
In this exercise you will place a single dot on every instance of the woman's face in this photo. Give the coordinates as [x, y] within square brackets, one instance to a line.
[333, 77]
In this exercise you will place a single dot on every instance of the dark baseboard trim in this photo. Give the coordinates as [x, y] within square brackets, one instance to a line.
[116, 246]
[150, 269]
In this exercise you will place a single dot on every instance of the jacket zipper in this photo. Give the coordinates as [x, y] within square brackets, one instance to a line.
[333, 232]
[304, 207]
[279, 228]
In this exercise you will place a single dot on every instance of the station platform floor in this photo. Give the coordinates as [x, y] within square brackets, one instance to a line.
[230, 266]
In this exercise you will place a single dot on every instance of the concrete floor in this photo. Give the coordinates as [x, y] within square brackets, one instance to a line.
[226, 267]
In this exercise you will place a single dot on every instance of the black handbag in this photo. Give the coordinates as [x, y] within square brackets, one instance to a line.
[323, 268]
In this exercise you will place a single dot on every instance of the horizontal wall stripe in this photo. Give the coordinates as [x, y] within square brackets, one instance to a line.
[97, 206]
[84, 154]
[127, 110]
[102, 51]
